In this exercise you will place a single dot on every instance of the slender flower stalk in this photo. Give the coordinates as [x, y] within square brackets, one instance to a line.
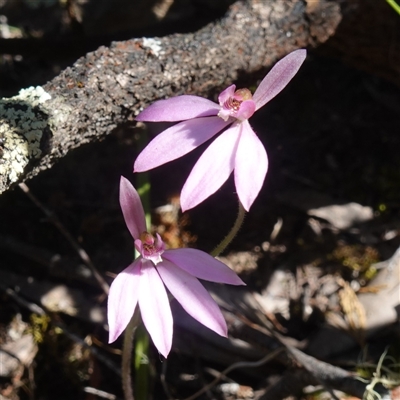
[127, 356]
[394, 5]
[142, 282]
[232, 233]
[236, 149]
[141, 365]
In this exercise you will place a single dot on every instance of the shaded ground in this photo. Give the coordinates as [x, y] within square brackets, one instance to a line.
[333, 132]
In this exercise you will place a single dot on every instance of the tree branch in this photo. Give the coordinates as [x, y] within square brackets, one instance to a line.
[109, 86]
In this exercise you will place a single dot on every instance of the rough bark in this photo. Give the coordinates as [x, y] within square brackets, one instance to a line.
[109, 86]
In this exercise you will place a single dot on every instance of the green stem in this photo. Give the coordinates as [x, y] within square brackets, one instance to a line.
[143, 181]
[142, 340]
[127, 356]
[142, 367]
[142, 364]
[232, 233]
[394, 5]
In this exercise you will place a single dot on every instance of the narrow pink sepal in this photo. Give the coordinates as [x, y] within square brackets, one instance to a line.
[202, 266]
[178, 108]
[251, 165]
[122, 299]
[193, 297]
[177, 141]
[211, 170]
[155, 308]
[279, 76]
[132, 208]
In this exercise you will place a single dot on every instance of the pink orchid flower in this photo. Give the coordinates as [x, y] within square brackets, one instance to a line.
[143, 281]
[236, 148]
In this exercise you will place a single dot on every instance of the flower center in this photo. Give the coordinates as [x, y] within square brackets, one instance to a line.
[232, 104]
[150, 247]
[236, 104]
[241, 95]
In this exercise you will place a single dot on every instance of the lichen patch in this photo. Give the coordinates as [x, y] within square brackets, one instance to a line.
[154, 45]
[23, 120]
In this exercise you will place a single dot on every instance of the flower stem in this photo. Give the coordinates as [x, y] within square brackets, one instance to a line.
[143, 185]
[394, 5]
[127, 356]
[142, 364]
[232, 233]
[142, 340]
[141, 357]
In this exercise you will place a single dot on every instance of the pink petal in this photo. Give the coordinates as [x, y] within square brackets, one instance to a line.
[132, 208]
[178, 108]
[279, 76]
[251, 165]
[202, 266]
[155, 308]
[190, 293]
[212, 169]
[246, 110]
[226, 94]
[225, 113]
[177, 141]
[122, 299]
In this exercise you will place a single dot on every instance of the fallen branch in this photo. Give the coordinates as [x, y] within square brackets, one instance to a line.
[109, 86]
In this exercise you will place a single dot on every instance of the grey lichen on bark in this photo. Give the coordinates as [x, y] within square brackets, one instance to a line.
[110, 86]
[23, 125]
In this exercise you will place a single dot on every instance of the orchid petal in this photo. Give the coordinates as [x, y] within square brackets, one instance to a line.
[122, 299]
[155, 308]
[178, 108]
[211, 170]
[225, 114]
[202, 266]
[177, 141]
[279, 76]
[193, 297]
[251, 165]
[132, 208]
[226, 94]
[246, 110]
